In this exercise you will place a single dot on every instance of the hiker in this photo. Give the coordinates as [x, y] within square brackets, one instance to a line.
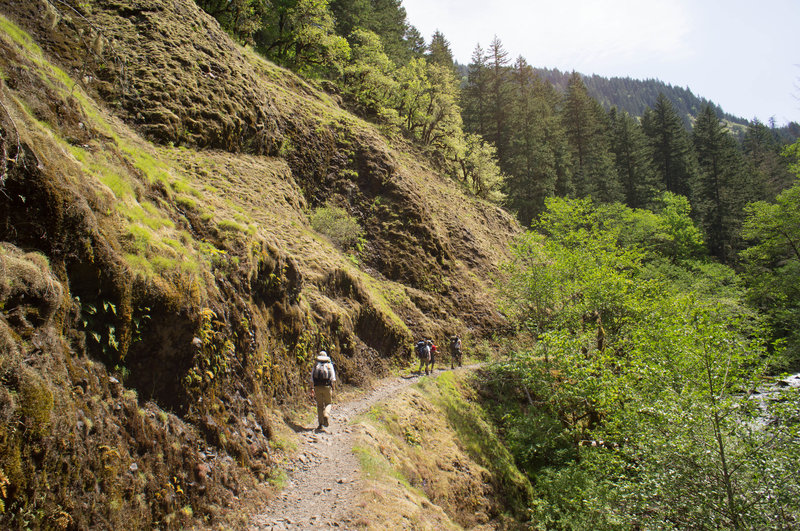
[434, 351]
[455, 351]
[424, 354]
[323, 378]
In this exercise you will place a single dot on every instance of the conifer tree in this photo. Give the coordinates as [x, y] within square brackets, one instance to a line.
[538, 155]
[475, 94]
[497, 132]
[720, 187]
[634, 160]
[671, 145]
[584, 120]
[439, 50]
[768, 169]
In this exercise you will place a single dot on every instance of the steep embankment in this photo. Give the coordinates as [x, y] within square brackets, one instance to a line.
[161, 288]
[429, 459]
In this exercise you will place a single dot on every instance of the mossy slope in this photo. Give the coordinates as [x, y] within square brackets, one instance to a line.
[160, 178]
[432, 460]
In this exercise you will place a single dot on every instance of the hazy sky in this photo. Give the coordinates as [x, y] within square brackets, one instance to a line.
[740, 54]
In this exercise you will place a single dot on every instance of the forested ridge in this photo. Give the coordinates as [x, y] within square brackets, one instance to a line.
[220, 195]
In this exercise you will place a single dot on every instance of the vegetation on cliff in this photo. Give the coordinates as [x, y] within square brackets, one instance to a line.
[163, 285]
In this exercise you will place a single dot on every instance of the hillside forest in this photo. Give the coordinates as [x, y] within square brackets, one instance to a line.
[222, 188]
[519, 136]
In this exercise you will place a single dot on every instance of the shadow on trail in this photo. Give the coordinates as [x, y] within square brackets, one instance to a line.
[297, 428]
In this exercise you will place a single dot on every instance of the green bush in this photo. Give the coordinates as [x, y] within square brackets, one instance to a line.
[339, 226]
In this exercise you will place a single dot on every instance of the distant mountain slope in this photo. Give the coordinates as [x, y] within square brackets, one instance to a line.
[636, 96]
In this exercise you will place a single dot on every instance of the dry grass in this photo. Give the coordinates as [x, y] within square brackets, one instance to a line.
[431, 460]
[166, 192]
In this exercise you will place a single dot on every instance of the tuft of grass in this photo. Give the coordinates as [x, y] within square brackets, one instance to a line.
[228, 225]
[186, 202]
[19, 36]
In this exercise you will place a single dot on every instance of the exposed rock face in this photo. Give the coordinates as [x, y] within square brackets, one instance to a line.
[154, 202]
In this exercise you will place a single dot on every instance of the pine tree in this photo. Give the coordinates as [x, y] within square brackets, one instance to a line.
[634, 160]
[497, 132]
[720, 188]
[439, 50]
[475, 94]
[672, 150]
[538, 153]
[594, 174]
[766, 166]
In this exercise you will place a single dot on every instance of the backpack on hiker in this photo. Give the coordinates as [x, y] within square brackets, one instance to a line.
[422, 350]
[322, 374]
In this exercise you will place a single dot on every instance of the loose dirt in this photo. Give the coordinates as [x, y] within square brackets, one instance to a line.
[324, 477]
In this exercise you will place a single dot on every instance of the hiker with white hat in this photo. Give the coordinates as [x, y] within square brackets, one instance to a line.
[323, 378]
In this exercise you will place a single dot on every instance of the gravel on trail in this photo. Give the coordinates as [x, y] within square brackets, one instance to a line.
[324, 477]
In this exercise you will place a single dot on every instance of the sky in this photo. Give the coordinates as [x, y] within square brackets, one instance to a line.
[743, 55]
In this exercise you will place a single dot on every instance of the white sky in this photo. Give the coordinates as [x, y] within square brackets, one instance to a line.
[740, 54]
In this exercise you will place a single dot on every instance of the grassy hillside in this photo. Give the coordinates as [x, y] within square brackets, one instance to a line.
[161, 286]
[433, 460]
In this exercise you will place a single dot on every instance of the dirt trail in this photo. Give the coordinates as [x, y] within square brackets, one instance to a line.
[324, 477]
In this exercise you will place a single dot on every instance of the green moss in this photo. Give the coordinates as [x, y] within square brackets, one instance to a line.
[230, 226]
[117, 183]
[186, 202]
[479, 437]
[142, 237]
[176, 245]
[35, 402]
[145, 214]
[182, 187]
[19, 36]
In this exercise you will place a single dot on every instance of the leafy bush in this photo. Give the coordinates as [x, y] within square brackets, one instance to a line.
[339, 226]
[646, 381]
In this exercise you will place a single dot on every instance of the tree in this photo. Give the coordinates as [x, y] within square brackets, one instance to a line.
[439, 50]
[241, 18]
[300, 34]
[387, 19]
[594, 174]
[538, 159]
[644, 381]
[475, 94]
[634, 160]
[768, 170]
[671, 147]
[497, 133]
[718, 190]
[479, 170]
[367, 79]
[772, 262]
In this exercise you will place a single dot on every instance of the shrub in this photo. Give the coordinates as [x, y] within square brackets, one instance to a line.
[339, 226]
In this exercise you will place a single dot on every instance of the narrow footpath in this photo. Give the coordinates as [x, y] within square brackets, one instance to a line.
[324, 477]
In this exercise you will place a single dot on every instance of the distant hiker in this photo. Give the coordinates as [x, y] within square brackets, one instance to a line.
[434, 351]
[323, 377]
[424, 354]
[455, 352]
